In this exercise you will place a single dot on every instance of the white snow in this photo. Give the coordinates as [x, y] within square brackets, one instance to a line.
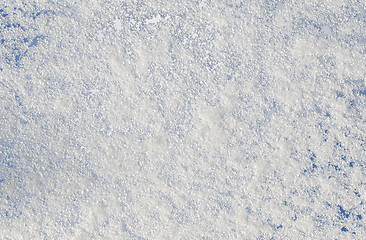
[182, 120]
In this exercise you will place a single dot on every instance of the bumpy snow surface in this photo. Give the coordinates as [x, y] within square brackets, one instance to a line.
[182, 119]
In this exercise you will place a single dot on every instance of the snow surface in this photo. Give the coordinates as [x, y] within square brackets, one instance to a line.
[182, 119]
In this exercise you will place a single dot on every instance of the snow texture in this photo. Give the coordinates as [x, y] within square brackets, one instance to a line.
[182, 119]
